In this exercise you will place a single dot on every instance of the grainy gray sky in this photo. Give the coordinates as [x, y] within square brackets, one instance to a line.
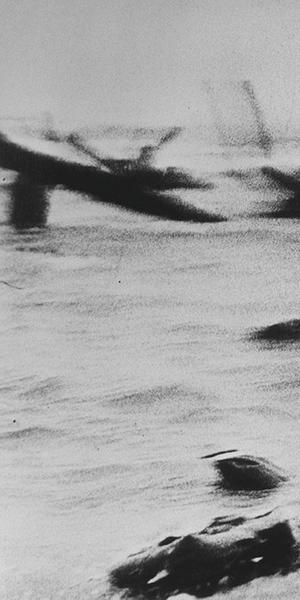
[143, 61]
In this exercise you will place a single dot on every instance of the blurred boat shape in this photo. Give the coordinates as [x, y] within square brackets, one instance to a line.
[49, 169]
[141, 169]
[249, 127]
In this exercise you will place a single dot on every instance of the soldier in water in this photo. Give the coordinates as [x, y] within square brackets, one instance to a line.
[145, 158]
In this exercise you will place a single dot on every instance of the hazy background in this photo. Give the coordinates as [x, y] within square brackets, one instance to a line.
[142, 61]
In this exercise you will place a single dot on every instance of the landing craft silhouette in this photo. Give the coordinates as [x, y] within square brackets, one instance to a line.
[139, 188]
[282, 179]
[141, 169]
[135, 184]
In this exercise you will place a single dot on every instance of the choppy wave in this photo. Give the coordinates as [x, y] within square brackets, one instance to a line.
[29, 433]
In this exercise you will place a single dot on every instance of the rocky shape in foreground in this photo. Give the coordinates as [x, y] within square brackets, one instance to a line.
[227, 553]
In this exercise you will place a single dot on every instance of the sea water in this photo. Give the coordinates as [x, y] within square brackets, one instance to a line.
[126, 355]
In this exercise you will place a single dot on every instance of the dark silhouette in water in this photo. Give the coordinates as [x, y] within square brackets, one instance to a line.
[45, 170]
[29, 204]
[244, 472]
[284, 331]
[141, 169]
[289, 208]
[218, 453]
[229, 552]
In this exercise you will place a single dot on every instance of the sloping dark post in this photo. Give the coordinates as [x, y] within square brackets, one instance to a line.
[265, 141]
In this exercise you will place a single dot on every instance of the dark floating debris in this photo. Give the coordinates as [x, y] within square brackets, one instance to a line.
[227, 553]
[244, 472]
[283, 331]
[288, 208]
[218, 453]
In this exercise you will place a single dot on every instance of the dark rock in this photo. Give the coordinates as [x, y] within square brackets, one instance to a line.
[227, 553]
[140, 568]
